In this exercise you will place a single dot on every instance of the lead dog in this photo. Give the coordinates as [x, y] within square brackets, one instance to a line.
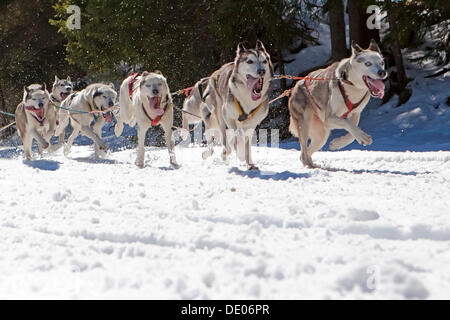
[35, 118]
[145, 99]
[239, 94]
[317, 107]
[96, 97]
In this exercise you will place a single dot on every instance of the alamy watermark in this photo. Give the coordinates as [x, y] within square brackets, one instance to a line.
[74, 20]
[374, 20]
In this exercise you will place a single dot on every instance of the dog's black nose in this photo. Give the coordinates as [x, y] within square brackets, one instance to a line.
[382, 73]
[155, 91]
[261, 72]
[41, 104]
[111, 103]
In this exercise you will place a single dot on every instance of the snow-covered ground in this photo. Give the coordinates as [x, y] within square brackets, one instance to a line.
[374, 225]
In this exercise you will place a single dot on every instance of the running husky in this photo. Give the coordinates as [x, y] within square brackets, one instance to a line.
[317, 107]
[62, 88]
[239, 94]
[145, 99]
[196, 110]
[92, 104]
[35, 118]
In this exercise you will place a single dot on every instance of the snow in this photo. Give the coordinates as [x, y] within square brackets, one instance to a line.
[83, 228]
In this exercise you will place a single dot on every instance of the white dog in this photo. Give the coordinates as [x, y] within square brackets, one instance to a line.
[91, 105]
[145, 99]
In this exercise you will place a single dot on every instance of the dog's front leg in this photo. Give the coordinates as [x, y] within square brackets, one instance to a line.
[42, 143]
[344, 141]
[98, 142]
[170, 146]
[360, 136]
[142, 132]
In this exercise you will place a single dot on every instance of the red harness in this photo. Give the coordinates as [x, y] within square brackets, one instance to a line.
[131, 84]
[350, 105]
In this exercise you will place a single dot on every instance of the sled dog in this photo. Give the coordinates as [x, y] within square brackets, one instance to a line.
[239, 94]
[62, 88]
[35, 118]
[145, 99]
[197, 104]
[317, 107]
[83, 105]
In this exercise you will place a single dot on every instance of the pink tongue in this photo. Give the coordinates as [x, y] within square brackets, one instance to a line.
[40, 113]
[155, 105]
[251, 83]
[378, 85]
[108, 117]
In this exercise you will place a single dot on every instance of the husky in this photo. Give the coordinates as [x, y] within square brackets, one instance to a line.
[238, 93]
[145, 100]
[35, 118]
[62, 88]
[198, 108]
[317, 107]
[91, 105]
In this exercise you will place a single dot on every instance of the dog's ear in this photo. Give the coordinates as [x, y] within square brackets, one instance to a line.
[356, 49]
[145, 73]
[44, 87]
[56, 79]
[112, 86]
[158, 72]
[374, 46]
[260, 46]
[25, 93]
[241, 48]
[68, 79]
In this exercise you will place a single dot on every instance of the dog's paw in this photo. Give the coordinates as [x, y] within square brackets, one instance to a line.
[252, 167]
[206, 154]
[336, 144]
[175, 165]
[364, 139]
[139, 164]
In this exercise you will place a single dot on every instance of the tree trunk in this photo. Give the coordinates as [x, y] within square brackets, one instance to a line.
[396, 49]
[2, 106]
[357, 22]
[337, 28]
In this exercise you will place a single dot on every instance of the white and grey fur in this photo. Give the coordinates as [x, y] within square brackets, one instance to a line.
[312, 125]
[233, 80]
[99, 97]
[62, 88]
[151, 98]
[35, 118]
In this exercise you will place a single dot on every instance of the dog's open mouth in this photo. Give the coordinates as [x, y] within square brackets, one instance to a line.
[108, 116]
[64, 95]
[376, 86]
[255, 86]
[39, 114]
[155, 105]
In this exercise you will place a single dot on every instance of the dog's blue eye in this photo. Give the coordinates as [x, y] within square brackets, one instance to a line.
[368, 63]
[250, 61]
[265, 61]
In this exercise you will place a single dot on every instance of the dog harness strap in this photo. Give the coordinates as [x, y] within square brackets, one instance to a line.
[242, 115]
[54, 99]
[350, 106]
[131, 83]
[155, 121]
[308, 88]
[93, 114]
